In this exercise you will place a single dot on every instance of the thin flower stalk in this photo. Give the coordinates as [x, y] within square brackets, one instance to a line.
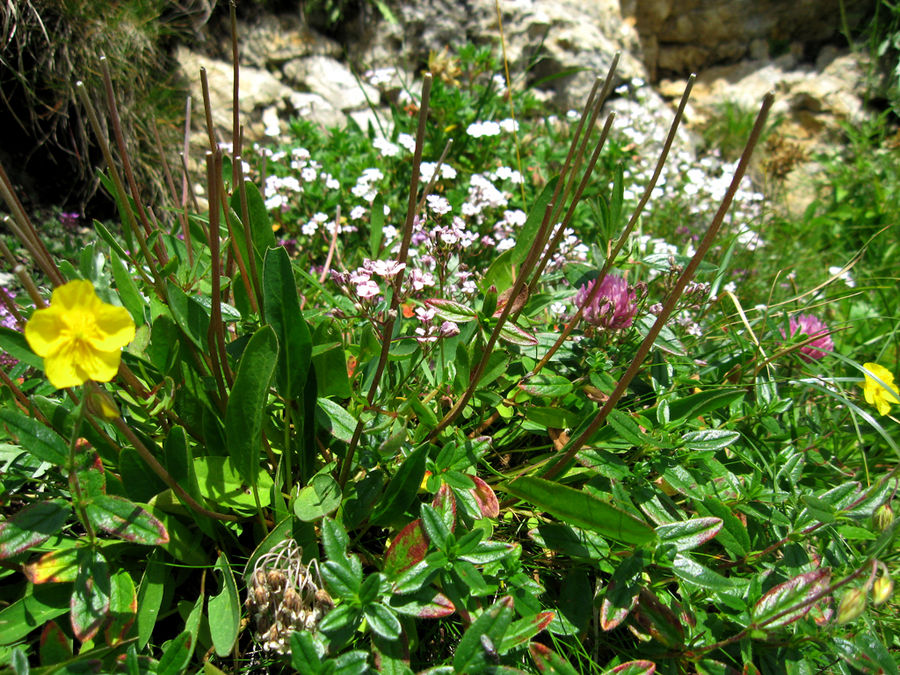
[127, 214]
[207, 107]
[613, 254]
[236, 135]
[215, 333]
[185, 184]
[256, 294]
[674, 296]
[24, 230]
[388, 328]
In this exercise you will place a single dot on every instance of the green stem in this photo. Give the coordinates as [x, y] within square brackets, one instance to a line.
[74, 482]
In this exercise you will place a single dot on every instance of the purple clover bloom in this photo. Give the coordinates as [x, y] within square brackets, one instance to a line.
[811, 326]
[614, 306]
[69, 220]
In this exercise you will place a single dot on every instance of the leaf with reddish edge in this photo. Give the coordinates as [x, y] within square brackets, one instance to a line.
[518, 336]
[422, 606]
[653, 617]
[688, 534]
[521, 631]
[486, 498]
[448, 310]
[635, 668]
[31, 526]
[408, 548]
[125, 519]
[53, 567]
[789, 594]
[122, 608]
[445, 502]
[617, 603]
[548, 661]
[54, 646]
[90, 595]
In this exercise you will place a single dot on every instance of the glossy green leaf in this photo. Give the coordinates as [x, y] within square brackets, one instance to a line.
[782, 600]
[127, 288]
[35, 438]
[330, 365]
[40, 604]
[321, 497]
[634, 668]
[220, 482]
[402, 488]
[521, 631]
[626, 428]
[283, 314]
[122, 607]
[260, 225]
[449, 310]
[334, 540]
[31, 526]
[547, 386]
[89, 604]
[707, 440]
[733, 535]
[383, 621]
[224, 610]
[247, 403]
[515, 335]
[688, 534]
[621, 593]
[695, 574]
[175, 655]
[582, 510]
[338, 421]
[407, 549]
[150, 595]
[493, 623]
[305, 658]
[190, 316]
[703, 402]
[125, 519]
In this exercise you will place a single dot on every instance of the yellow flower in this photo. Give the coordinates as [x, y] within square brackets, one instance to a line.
[79, 337]
[880, 394]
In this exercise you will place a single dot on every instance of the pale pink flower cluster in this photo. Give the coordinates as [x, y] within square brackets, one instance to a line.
[811, 326]
[613, 308]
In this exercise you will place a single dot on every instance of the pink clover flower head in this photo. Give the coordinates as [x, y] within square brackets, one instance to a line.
[811, 326]
[614, 306]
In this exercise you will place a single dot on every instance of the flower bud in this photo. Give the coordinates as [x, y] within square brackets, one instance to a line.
[883, 517]
[882, 589]
[853, 603]
[101, 404]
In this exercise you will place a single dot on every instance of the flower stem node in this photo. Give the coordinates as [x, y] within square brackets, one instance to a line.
[79, 337]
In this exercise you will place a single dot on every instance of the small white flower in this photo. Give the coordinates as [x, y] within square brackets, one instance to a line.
[407, 142]
[357, 213]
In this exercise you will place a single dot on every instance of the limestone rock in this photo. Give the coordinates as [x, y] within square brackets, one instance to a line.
[276, 39]
[330, 79]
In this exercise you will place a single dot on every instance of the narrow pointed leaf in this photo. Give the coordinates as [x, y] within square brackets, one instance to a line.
[549, 662]
[35, 438]
[582, 510]
[122, 607]
[90, 595]
[688, 534]
[31, 526]
[402, 488]
[517, 336]
[634, 668]
[407, 549]
[789, 594]
[493, 623]
[486, 498]
[176, 655]
[224, 610]
[448, 310]
[247, 403]
[707, 440]
[523, 630]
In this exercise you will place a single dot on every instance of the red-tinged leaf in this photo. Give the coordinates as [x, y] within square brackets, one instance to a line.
[122, 608]
[514, 335]
[89, 474]
[31, 526]
[445, 502]
[654, 618]
[491, 626]
[53, 567]
[787, 595]
[486, 497]
[688, 534]
[448, 310]
[548, 661]
[521, 631]
[90, 595]
[635, 668]
[439, 607]
[618, 601]
[408, 548]
[125, 519]
[54, 646]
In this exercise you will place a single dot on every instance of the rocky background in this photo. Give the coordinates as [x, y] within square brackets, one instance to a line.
[740, 49]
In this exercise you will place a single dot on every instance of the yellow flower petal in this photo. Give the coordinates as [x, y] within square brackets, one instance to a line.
[116, 327]
[880, 392]
[43, 332]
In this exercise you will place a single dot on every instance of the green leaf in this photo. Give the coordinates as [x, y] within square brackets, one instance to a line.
[703, 402]
[707, 440]
[688, 534]
[335, 541]
[128, 290]
[14, 343]
[493, 623]
[282, 311]
[35, 438]
[622, 592]
[260, 225]
[125, 519]
[190, 316]
[402, 488]
[521, 631]
[376, 226]
[40, 604]
[224, 610]
[548, 661]
[548, 386]
[784, 596]
[330, 365]
[150, 595]
[344, 579]
[511, 333]
[219, 482]
[525, 237]
[733, 535]
[247, 403]
[305, 658]
[407, 549]
[90, 595]
[319, 498]
[55, 645]
[633, 668]
[626, 428]
[695, 574]
[448, 310]
[582, 510]
[338, 421]
[31, 526]
[175, 655]
[435, 527]
[383, 620]
[122, 607]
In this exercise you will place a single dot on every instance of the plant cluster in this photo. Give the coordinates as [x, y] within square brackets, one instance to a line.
[396, 404]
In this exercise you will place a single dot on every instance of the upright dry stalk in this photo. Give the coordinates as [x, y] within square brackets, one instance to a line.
[622, 385]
